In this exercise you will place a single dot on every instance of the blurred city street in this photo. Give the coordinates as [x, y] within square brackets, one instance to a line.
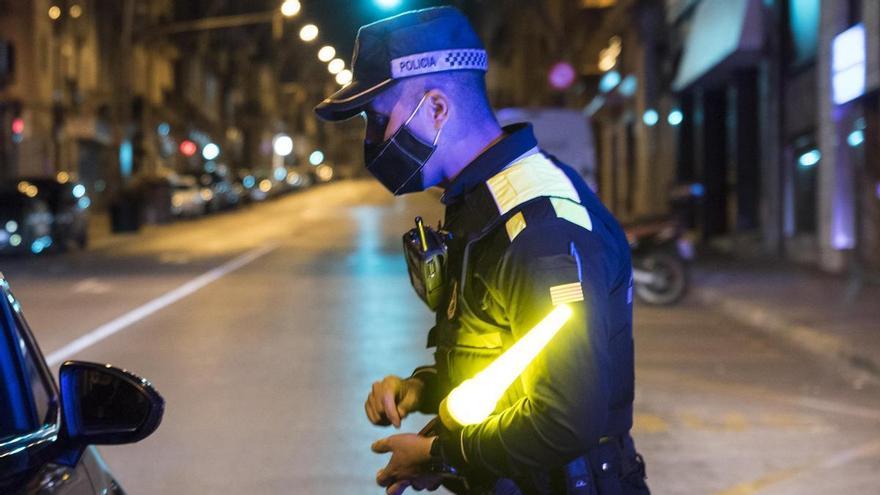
[265, 369]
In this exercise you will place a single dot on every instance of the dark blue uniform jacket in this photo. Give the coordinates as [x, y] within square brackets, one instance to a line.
[528, 233]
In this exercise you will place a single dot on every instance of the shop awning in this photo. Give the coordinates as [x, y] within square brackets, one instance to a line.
[724, 34]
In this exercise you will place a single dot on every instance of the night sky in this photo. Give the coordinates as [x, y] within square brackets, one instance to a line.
[339, 20]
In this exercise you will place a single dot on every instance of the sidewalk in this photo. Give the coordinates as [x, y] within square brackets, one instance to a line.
[101, 235]
[798, 305]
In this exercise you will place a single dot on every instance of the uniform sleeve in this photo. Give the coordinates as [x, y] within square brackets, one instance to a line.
[431, 393]
[566, 388]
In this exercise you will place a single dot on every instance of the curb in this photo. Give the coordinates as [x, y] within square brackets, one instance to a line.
[858, 366]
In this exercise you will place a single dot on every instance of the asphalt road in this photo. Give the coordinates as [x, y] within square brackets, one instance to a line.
[264, 329]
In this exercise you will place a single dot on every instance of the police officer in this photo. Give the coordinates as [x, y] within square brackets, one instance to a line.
[524, 234]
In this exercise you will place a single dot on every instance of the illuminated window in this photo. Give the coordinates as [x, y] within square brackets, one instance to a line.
[803, 23]
[848, 64]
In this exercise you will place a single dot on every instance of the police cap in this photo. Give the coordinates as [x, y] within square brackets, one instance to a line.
[413, 43]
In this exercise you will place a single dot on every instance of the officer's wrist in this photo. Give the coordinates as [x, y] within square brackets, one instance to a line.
[436, 464]
[416, 386]
[416, 381]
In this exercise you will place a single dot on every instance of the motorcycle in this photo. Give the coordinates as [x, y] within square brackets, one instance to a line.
[660, 255]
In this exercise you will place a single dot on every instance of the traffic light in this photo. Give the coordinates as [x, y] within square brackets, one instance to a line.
[188, 148]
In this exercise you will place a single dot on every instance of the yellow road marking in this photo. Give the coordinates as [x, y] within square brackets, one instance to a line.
[649, 423]
[750, 487]
[693, 421]
[729, 422]
[735, 421]
[732, 421]
[870, 449]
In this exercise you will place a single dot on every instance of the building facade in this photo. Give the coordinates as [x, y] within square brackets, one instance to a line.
[785, 160]
[103, 90]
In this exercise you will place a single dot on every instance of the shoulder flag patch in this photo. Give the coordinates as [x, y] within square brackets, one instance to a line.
[566, 293]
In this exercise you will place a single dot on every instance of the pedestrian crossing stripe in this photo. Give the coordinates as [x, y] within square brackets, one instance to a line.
[566, 293]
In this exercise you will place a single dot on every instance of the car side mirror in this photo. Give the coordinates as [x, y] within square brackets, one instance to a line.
[104, 405]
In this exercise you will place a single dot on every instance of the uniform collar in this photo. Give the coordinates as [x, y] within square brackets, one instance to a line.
[519, 139]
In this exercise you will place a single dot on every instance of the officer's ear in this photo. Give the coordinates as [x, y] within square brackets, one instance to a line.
[438, 105]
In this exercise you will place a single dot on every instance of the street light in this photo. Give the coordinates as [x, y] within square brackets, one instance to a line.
[609, 81]
[308, 32]
[316, 158]
[210, 151]
[54, 12]
[290, 8]
[387, 4]
[336, 65]
[75, 11]
[344, 77]
[326, 53]
[282, 144]
[650, 117]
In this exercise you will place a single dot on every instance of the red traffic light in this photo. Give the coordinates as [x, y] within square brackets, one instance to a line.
[188, 148]
[17, 125]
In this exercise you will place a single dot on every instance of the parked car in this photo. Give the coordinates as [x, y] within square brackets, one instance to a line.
[263, 187]
[68, 203]
[188, 197]
[563, 132]
[25, 220]
[224, 195]
[47, 433]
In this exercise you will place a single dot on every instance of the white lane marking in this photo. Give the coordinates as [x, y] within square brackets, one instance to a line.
[137, 314]
[844, 457]
[787, 477]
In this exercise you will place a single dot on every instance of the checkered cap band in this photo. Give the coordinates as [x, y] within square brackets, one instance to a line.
[439, 61]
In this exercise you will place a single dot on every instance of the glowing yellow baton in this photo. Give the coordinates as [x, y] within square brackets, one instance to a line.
[474, 400]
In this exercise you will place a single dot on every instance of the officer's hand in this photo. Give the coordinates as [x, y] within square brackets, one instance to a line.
[392, 399]
[410, 454]
[429, 482]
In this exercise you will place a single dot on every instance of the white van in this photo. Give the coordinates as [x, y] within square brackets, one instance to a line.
[562, 132]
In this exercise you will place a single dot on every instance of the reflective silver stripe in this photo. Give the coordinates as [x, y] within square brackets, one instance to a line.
[529, 178]
[461, 445]
[439, 61]
[358, 95]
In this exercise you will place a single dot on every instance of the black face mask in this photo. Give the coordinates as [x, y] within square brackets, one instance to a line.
[398, 162]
